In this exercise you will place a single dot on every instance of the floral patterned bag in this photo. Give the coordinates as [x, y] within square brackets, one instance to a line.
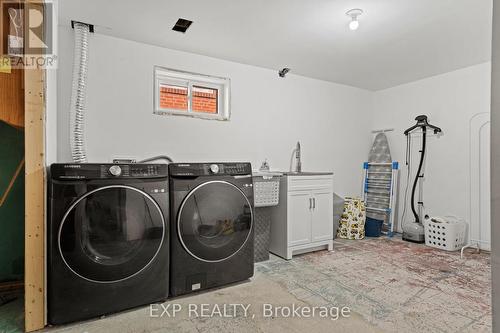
[352, 223]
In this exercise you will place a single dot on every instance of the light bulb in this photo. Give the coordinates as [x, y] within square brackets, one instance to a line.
[353, 14]
[354, 25]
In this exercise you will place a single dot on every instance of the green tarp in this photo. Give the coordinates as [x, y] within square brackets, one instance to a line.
[12, 207]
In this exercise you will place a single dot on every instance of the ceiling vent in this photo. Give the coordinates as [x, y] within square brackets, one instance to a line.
[182, 25]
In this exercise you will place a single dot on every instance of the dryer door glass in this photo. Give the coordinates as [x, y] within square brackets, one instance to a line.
[214, 221]
[111, 234]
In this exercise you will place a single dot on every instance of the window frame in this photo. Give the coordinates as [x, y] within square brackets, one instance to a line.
[174, 77]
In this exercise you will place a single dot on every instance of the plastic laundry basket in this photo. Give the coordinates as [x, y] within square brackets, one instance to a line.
[373, 227]
[445, 233]
[266, 191]
[266, 195]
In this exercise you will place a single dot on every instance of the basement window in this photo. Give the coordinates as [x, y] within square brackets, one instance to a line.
[190, 94]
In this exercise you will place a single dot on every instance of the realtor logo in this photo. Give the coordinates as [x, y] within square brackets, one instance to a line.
[28, 31]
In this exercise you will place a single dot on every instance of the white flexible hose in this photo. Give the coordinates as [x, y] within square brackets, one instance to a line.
[77, 108]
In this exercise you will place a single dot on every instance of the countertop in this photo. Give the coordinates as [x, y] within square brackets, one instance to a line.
[307, 173]
[289, 173]
[258, 173]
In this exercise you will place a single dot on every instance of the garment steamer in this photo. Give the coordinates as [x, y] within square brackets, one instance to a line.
[414, 232]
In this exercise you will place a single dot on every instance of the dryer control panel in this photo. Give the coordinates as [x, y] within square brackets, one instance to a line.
[210, 169]
[82, 171]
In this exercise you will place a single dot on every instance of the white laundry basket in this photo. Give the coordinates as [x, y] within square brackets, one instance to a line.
[266, 191]
[445, 233]
[266, 188]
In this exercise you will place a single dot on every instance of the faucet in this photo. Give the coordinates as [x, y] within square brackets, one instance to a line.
[298, 163]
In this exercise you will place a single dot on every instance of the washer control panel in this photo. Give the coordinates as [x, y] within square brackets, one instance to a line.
[210, 169]
[75, 171]
[143, 170]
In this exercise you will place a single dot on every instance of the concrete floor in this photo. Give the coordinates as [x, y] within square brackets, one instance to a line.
[389, 286]
[12, 316]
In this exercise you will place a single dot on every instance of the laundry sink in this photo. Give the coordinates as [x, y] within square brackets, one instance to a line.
[306, 173]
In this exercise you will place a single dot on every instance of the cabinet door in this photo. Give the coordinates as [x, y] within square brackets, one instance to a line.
[322, 216]
[299, 218]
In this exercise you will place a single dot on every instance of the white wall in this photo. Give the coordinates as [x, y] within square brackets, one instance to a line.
[51, 99]
[269, 114]
[450, 100]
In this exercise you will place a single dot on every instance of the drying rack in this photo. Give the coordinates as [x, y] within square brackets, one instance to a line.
[380, 190]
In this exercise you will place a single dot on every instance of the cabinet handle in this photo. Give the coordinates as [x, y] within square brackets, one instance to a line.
[310, 203]
[314, 203]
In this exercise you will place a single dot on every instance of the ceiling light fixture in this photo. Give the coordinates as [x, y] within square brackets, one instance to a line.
[353, 14]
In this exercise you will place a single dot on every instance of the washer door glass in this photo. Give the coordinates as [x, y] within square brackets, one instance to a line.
[111, 233]
[214, 221]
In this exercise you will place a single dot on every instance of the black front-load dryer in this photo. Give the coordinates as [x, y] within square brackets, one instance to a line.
[211, 225]
[108, 239]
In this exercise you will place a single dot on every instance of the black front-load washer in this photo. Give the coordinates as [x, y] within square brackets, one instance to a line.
[211, 208]
[108, 239]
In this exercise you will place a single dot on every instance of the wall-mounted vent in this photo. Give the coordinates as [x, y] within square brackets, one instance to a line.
[283, 72]
[182, 25]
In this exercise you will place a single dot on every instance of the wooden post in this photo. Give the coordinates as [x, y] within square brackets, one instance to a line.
[35, 194]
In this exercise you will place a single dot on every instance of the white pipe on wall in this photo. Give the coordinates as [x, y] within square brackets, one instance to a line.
[78, 93]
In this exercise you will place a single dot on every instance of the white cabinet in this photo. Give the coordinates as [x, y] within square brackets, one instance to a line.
[303, 220]
[299, 204]
[322, 211]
